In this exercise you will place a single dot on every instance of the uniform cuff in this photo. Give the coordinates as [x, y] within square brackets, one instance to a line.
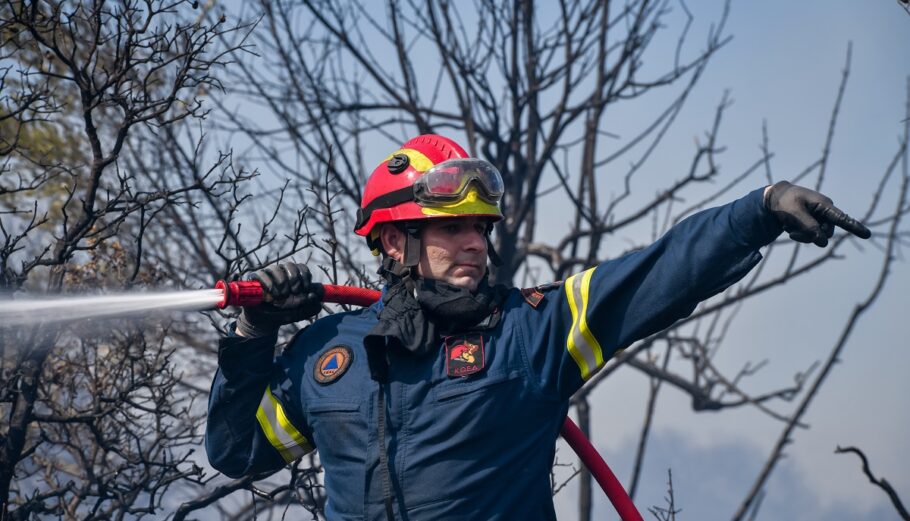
[753, 223]
[240, 357]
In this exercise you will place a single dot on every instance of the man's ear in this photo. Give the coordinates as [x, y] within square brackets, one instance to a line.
[392, 239]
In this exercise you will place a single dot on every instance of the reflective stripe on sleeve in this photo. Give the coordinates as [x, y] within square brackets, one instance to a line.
[278, 428]
[582, 345]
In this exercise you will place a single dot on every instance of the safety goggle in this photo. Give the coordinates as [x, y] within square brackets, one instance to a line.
[449, 182]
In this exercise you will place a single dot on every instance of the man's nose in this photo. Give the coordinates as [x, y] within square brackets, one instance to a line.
[475, 240]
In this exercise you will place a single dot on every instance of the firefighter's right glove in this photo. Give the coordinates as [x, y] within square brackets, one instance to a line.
[809, 216]
[289, 295]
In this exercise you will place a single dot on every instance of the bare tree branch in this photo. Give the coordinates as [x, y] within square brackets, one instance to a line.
[881, 483]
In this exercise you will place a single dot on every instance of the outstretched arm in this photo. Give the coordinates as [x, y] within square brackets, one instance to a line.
[608, 307]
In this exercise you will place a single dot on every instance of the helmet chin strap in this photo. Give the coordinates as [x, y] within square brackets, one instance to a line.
[411, 245]
[406, 268]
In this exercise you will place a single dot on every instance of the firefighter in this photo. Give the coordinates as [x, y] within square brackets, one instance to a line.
[445, 398]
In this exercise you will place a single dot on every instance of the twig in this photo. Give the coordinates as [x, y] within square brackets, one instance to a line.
[668, 513]
[881, 483]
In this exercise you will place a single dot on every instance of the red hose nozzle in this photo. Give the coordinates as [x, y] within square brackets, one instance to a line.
[248, 293]
[240, 293]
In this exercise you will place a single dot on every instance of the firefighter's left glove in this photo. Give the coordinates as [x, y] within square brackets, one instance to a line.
[809, 216]
[289, 295]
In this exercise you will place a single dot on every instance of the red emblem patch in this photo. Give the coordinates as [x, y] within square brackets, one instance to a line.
[464, 355]
[532, 296]
[332, 364]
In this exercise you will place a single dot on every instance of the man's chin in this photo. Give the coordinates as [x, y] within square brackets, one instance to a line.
[468, 283]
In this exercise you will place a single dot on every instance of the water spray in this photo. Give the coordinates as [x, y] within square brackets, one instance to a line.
[27, 312]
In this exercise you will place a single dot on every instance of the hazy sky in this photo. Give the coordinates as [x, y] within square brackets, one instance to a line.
[783, 66]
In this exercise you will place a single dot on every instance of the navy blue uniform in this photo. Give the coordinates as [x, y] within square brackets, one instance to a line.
[477, 446]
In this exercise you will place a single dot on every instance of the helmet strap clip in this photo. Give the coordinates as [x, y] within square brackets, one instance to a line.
[411, 245]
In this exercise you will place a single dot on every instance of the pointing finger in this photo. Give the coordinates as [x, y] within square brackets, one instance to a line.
[835, 216]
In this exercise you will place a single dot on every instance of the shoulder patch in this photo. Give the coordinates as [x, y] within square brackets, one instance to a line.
[332, 364]
[534, 296]
[549, 286]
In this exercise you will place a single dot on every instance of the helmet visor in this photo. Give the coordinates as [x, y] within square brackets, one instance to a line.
[450, 180]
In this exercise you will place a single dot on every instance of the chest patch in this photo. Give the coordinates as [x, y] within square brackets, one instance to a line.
[464, 355]
[332, 364]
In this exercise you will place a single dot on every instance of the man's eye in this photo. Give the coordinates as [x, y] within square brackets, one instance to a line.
[451, 228]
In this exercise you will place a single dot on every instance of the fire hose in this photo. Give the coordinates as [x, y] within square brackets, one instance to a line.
[249, 293]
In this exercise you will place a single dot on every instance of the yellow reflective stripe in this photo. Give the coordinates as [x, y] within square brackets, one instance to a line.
[420, 162]
[272, 437]
[582, 346]
[570, 343]
[279, 430]
[288, 427]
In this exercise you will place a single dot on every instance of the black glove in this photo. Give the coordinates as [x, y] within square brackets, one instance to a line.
[809, 216]
[289, 295]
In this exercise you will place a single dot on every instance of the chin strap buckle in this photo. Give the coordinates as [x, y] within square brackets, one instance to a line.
[411, 245]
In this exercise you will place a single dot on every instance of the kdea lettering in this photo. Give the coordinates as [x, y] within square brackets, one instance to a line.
[465, 369]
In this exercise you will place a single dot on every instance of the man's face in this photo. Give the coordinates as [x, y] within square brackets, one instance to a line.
[454, 251]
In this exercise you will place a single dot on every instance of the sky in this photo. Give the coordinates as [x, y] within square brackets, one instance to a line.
[783, 67]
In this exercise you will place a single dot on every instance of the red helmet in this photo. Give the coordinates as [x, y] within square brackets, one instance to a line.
[430, 176]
